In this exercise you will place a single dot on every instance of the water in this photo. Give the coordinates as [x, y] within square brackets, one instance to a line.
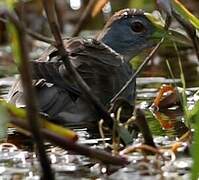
[167, 126]
[20, 161]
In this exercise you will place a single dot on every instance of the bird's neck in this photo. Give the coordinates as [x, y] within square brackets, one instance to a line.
[114, 43]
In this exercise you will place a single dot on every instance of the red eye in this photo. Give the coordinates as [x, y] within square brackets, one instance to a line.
[137, 27]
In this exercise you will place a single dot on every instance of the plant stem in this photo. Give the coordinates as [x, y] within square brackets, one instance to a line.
[86, 14]
[144, 128]
[94, 101]
[29, 95]
[69, 145]
[140, 68]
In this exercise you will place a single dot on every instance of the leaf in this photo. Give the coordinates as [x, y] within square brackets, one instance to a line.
[13, 34]
[140, 4]
[156, 19]
[4, 119]
[194, 116]
[125, 135]
[10, 4]
[194, 113]
[176, 35]
[183, 11]
[15, 112]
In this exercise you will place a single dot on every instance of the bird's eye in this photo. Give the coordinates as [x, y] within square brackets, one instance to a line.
[137, 27]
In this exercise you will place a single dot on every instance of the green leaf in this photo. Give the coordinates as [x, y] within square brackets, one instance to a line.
[14, 42]
[194, 116]
[183, 11]
[4, 119]
[194, 113]
[125, 135]
[176, 35]
[14, 37]
[156, 19]
[21, 114]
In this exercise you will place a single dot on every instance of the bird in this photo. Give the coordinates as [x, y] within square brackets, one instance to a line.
[103, 62]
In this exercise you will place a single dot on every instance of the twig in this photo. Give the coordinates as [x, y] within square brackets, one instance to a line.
[3, 20]
[98, 7]
[141, 122]
[33, 34]
[40, 37]
[59, 16]
[103, 156]
[143, 147]
[147, 59]
[94, 102]
[100, 126]
[86, 14]
[69, 145]
[49, 7]
[29, 94]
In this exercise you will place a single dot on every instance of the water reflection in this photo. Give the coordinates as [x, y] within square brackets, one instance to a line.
[166, 122]
[190, 65]
[166, 126]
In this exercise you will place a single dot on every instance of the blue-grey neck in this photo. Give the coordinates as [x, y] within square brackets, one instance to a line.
[119, 47]
[120, 37]
[119, 42]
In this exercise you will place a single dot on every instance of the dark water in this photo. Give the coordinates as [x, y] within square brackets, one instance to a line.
[167, 122]
[17, 162]
[166, 126]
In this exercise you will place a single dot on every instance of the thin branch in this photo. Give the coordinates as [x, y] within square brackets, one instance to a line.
[142, 124]
[69, 145]
[103, 156]
[29, 94]
[94, 101]
[39, 37]
[33, 34]
[140, 68]
[59, 16]
[3, 20]
[49, 6]
[86, 14]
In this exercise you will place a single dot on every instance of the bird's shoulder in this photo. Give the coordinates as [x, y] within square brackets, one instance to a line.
[81, 49]
[94, 60]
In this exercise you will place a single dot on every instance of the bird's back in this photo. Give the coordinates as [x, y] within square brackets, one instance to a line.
[57, 92]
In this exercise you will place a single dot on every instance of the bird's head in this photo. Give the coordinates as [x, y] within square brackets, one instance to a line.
[131, 31]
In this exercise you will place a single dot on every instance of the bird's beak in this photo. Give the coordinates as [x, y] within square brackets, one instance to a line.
[171, 35]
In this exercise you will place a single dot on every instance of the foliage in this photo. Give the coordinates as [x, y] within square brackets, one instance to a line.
[4, 119]
[14, 38]
[194, 117]
[11, 110]
[187, 15]
[148, 5]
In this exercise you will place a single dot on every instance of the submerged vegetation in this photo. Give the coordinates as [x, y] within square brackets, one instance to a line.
[128, 144]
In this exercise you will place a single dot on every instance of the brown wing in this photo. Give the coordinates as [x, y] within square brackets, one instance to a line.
[98, 65]
[58, 94]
